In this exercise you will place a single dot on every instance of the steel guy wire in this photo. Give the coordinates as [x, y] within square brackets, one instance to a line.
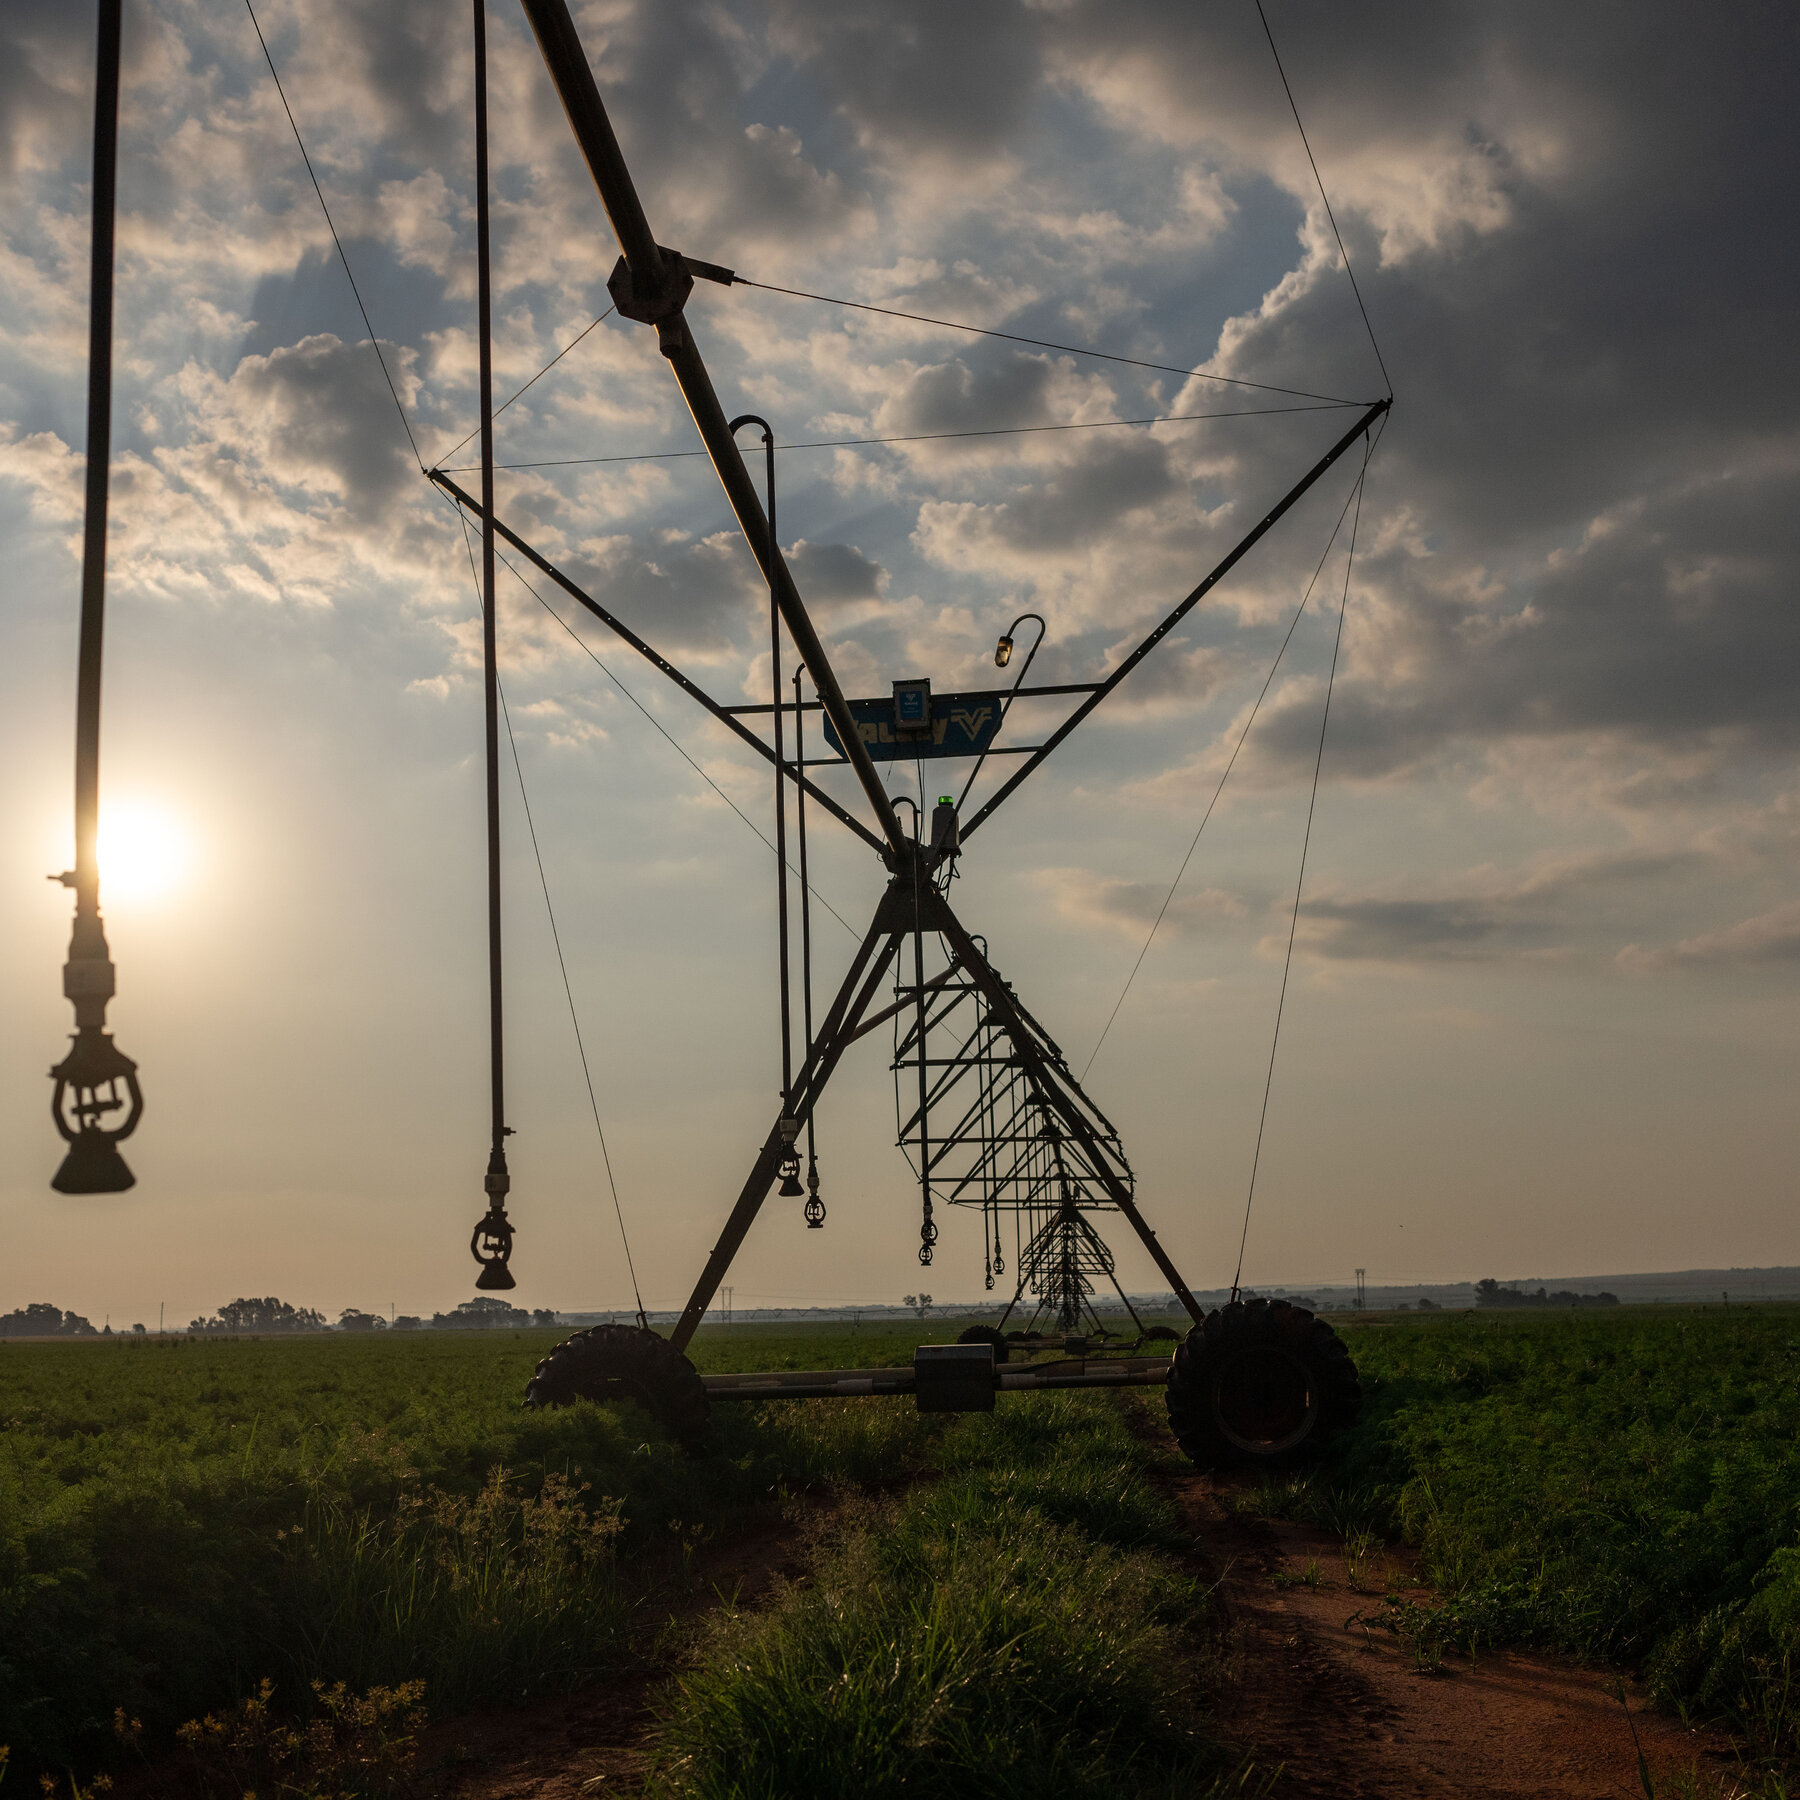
[375, 342]
[545, 370]
[1262, 695]
[563, 969]
[920, 437]
[1300, 879]
[556, 939]
[673, 742]
[1013, 337]
[1326, 198]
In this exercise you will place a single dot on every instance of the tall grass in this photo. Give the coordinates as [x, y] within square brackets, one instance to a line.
[179, 1523]
[1002, 1631]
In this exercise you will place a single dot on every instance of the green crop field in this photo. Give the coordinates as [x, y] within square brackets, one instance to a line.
[1623, 1486]
[998, 1603]
[184, 1519]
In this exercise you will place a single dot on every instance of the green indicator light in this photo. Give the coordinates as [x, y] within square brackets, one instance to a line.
[945, 800]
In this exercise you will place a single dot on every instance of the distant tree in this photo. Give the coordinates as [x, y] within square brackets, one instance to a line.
[1427, 1304]
[265, 1315]
[41, 1319]
[409, 1322]
[1491, 1293]
[354, 1319]
[137, 1331]
[920, 1303]
[481, 1313]
[543, 1315]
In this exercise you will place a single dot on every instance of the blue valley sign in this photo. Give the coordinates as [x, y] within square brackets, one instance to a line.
[914, 722]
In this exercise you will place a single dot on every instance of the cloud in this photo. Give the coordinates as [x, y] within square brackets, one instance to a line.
[1770, 940]
[834, 574]
[1129, 908]
[1531, 915]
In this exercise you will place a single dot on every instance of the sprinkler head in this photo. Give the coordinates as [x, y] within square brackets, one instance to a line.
[789, 1170]
[491, 1241]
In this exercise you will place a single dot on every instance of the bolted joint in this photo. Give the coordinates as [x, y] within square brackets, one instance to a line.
[648, 297]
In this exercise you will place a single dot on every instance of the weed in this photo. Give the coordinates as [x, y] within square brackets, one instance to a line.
[353, 1746]
[1309, 1574]
[1359, 1558]
[1000, 1632]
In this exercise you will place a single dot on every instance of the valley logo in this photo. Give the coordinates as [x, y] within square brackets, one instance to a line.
[914, 722]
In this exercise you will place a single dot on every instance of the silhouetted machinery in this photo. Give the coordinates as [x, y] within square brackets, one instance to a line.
[989, 1112]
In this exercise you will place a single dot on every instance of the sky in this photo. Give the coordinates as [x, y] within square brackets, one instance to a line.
[1541, 1007]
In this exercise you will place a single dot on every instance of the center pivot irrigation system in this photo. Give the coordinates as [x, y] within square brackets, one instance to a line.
[988, 1110]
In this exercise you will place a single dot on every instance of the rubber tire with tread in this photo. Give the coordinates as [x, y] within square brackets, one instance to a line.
[615, 1362]
[986, 1334]
[1261, 1383]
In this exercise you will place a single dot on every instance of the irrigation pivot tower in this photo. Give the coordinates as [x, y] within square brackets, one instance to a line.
[999, 1121]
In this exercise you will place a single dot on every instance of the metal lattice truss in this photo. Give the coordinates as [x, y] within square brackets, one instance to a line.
[975, 1120]
[1000, 1121]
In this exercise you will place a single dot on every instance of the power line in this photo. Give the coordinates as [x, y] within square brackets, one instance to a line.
[1013, 337]
[922, 437]
[1300, 879]
[1326, 198]
[374, 341]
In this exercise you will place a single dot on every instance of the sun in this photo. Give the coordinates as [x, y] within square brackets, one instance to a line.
[145, 853]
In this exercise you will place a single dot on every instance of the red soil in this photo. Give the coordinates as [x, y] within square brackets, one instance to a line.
[1347, 1713]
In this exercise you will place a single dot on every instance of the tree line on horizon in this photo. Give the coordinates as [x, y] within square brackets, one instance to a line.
[268, 1315]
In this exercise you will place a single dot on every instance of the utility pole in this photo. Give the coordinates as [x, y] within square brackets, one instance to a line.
[1360, 1273]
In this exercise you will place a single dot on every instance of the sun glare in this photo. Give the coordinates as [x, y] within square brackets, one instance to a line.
[145, 854]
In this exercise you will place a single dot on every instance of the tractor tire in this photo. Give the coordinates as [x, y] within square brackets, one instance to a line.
[1260, 1383]
[986, 1334]
[620, 1362]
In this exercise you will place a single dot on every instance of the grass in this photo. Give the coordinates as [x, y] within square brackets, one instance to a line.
[1008, 1629]
[181, 1519]
[1621, 1486]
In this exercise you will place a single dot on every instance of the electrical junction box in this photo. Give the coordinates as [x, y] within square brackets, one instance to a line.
[954, 1377]
[912, 709]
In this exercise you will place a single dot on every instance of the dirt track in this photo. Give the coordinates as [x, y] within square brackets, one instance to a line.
[1348, 1714]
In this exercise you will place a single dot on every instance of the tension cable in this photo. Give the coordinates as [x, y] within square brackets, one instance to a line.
[1300, 879]
[331, 226]
[562, 966]
[574, 1020]
[1013, 337]
[1326, 198]
[922, 437]
[545, 370]
[674, 743]
[1168, 898]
